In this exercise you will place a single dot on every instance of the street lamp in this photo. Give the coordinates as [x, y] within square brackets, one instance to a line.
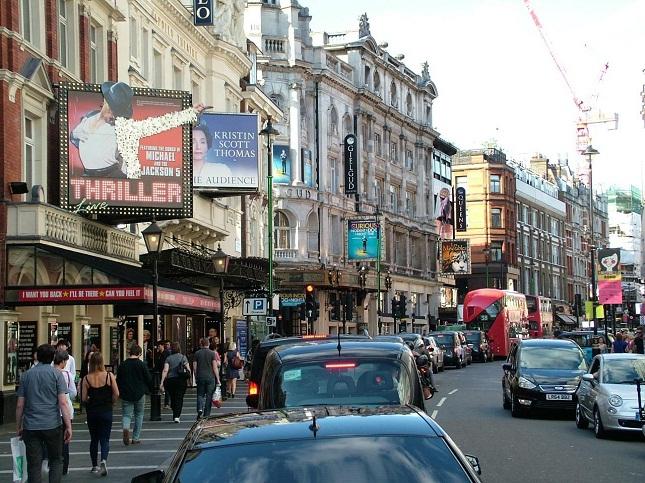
[269, 131]
[153, 238]
[590, 152]
[220, 264]
[388, 286]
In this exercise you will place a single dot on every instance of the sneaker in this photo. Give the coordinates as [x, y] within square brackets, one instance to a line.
[45, 466]
[176, 420]
[126, 437]
[166, 406]
[199, 414]
[95, 469]
[135, 441]
[103, 468]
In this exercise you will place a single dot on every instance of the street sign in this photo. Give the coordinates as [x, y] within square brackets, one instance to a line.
[255, 306]
[271, 322]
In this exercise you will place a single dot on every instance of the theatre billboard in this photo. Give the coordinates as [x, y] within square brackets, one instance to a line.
[125, 152]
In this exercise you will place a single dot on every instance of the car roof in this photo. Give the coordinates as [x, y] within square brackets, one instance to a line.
[389, 338]
[627, 355]
[295, 424]
[439, 332]
[271, 343]
[409, 335]
[381, 349]
[547, 343]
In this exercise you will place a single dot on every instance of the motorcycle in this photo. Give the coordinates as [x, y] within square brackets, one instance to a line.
[425, 369]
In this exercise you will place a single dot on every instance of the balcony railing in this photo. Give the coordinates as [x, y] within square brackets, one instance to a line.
[43, 222]
[286, 253]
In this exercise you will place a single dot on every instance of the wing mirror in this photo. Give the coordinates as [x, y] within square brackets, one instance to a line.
[588, 377]
[474, 462]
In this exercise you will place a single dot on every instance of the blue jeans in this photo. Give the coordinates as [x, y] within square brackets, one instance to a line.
[205, 389]
[128, 408]
[100, 425]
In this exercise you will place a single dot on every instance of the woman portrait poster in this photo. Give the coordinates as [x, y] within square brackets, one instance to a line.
[443, 213]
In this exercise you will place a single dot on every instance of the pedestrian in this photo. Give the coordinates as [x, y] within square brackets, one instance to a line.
[147, 348]
[63, 345]
[100, 392]
[134, 381]
[232, 372]
[61, 361]
[42, 399]
[602, 346]
[206, 370]
[638, 342]
[175, 376]
[619, 346]
[166, 352]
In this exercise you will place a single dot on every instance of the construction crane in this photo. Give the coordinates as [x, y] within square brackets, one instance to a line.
[586, 114]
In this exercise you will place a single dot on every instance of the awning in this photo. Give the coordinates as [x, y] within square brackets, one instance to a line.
[566, 319]
[128, 285]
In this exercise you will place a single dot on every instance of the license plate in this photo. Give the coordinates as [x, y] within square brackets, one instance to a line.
[559, 397]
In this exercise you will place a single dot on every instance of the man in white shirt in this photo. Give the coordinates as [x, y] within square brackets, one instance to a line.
[70, 366]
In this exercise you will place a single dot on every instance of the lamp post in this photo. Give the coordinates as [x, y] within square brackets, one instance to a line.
[590, 152]
[269, 132]
[379, 305]
[153, 238]
[220, 264]
[388, 286]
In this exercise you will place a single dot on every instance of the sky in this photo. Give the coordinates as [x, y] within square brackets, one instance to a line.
[498, 83]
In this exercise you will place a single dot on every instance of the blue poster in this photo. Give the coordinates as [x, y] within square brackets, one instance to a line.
[307, 168]
[362, 240]
[281, 164]
[225, 152]
[242, 337]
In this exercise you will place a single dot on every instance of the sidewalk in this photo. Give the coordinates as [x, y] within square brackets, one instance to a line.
[160, 439]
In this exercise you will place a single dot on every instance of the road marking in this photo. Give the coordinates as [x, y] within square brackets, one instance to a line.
[453, 391]
[111, 468]
[440, 403]
[114, 440]
[434, 414]
[81, 453]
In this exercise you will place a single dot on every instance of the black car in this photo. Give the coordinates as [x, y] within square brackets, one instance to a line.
[450, 342]
[359, 373]
[389, 338]
[542, 374]
[266, 346]
[480, 346]
[318, 445]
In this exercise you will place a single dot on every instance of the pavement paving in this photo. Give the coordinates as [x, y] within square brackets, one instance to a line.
[160, 440]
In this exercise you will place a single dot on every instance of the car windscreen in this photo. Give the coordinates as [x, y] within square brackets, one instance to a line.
[365, 382]
[560, 358]
[444, 340]
[623, 371]
[321, 460]
[583, 340]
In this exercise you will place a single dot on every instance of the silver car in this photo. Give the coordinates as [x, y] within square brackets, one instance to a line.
[607, 395]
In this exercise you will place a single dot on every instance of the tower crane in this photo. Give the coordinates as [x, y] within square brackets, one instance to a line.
[586, 113]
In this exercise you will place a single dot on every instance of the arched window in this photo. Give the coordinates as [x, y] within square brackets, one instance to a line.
[276, 99]
[333, 121]
[377, 83]
[347, 125]
[393, 94]
[409, 108]
[282, 231]
[312, 233]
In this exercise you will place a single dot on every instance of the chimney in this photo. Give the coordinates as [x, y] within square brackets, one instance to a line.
[539, 165]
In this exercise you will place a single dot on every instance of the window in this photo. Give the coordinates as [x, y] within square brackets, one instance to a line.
[157, 65]
[177, 78]
[282, 231]
[461, 182]
[496, 217]
[334, 175]
[347, 125]
[333, 122]
[312, 233]
[409, 159]
[63, 40]
[31, 14]
[378, 192]
[495, 186]
[146, 53]
[365, 136]
[367, 76]
[393, 95]
[377, 144]
[377, 83]
[94, 55]
[394, 197]
[496, 251]
[410, 207]
[134, 41]
[409, 108]
[31, 153]
[197, 92]
[394, 152]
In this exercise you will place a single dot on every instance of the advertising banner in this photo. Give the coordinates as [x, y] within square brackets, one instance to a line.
[610, 292]
[454, 257]
[292, 299]
[461, 222]
[125, 152]
[362, 240]
[307, 167]
[203, 12]
[242, 337]
[281, 164]
[608, 267]
[350, 155]
[443, 209]
[225, 152]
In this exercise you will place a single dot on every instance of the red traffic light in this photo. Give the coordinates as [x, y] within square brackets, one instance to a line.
[309, 288]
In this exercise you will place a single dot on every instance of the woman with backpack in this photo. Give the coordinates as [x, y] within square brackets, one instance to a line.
[174, 378]
[234, 364]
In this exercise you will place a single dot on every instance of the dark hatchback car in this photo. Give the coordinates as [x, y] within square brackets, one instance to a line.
[318, 445]
[542, 374]
[266, 346]
[480, 346]
[450, 342]
[365, 373]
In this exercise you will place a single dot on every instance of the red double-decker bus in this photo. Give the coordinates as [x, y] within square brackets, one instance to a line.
[540, 316]
[502, 314]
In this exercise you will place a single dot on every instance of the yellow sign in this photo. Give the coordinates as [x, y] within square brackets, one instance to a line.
[600, 310]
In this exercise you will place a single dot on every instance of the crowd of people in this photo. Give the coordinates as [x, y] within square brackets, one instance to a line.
[45, 408]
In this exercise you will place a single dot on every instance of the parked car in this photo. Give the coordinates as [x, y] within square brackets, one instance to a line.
[542, 374]
[318, 445]
[607, 395]
[264, 347]
[436, 353]
[481, 349]
[359, 373]
[467, 348]
[389, 338]
[451, 344]
[584, 338]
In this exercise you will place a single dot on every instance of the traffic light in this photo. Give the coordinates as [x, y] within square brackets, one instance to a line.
[335, 309]
[395, 307]
[302, 312]
[402, 307]
[309, 305]
[349, 306]
[316, 311]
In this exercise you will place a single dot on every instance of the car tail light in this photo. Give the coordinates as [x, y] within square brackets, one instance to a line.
[314, 336]
[253, 388]
[340, 365]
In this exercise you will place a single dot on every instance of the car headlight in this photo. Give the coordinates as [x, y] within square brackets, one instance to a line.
[615, 400]
[525, 383]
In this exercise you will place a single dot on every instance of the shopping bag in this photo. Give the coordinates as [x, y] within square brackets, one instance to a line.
[217, 397]
[19, 457]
